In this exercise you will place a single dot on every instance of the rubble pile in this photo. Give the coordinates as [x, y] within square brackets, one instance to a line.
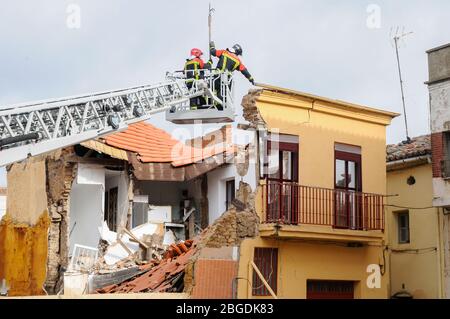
[166, 275]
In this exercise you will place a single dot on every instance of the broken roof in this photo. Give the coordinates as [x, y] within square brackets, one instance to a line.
[154, 145]
[419, 146]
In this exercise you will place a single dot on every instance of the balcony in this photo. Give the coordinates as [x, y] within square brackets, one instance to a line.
[291, 210]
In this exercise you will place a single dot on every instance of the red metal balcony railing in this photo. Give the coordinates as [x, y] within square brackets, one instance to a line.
[293, 204]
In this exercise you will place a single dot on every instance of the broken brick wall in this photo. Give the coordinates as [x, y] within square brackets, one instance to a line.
[60, 176]
[250, 111]
[213, 269]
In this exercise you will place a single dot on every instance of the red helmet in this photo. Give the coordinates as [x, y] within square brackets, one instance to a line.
[196, 52]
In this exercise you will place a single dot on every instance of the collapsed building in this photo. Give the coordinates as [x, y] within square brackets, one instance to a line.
[131, 179]
[290, 198]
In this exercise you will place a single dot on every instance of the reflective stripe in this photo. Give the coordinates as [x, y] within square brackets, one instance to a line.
[224, 65]
[236, 64]
[195, 71]
[236, 61]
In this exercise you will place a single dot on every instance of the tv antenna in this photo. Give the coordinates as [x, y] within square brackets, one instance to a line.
[397, 38]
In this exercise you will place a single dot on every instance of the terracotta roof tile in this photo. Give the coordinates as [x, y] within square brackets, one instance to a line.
[419, 146]
[154, 145]
[163, 276]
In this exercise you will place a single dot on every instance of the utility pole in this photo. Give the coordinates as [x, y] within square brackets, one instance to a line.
[397, 37]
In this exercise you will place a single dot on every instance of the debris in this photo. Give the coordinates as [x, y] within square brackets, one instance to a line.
[83, 258]
[108, 277]
[169, 238]
[159, 276]
[75, 283]
[4, 288]
[123, 249]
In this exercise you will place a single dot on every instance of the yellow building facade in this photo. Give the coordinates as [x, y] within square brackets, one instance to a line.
[321, 185]
[414, 227]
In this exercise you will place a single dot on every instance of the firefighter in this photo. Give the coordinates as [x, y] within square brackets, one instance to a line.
[229, 61]
[192, 68]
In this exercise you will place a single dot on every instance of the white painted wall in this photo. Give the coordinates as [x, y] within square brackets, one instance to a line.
[86, 214]
[119, 180]
[86, 206]
[2, 206]
[217, 178]
[217, 190]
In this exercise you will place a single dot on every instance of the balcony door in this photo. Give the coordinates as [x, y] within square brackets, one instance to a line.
[348, 185]
[282, 177]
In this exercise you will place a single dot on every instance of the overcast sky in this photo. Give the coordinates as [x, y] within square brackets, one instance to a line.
[338, 49]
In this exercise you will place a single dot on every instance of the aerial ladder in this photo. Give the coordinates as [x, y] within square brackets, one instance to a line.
[34, 128]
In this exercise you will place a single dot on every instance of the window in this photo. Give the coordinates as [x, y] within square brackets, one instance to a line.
[111, 200]
[445, 163]
[230, 192]
[282, 173]
[327, 289]
[266, 259]
[281, 163]
[347, 182]
[403, 227]
[140, 211]
[347, 167]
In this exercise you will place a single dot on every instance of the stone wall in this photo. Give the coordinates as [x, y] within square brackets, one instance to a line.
[250, 111]
[60, 176]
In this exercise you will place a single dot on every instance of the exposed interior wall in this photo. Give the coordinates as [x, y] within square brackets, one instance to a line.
[163, 194]
[243, 169]
[24, 229]
[171, 194]
[217, 190]
[418, 270]
[87, 206]
[120, 180]
[86, 215]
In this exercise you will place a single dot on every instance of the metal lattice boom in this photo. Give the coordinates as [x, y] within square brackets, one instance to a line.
[35, 128]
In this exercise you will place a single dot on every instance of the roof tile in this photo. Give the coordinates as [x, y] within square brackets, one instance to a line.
[154, 145]
[419, 146]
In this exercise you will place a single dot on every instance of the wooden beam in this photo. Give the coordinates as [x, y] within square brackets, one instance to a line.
[204, 203]
[95, 161]
[156, 171]
[197, 169]
[263, 279]
[129, 233]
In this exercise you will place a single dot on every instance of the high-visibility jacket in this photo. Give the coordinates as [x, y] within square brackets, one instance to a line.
[230, 62]
[193, 67]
